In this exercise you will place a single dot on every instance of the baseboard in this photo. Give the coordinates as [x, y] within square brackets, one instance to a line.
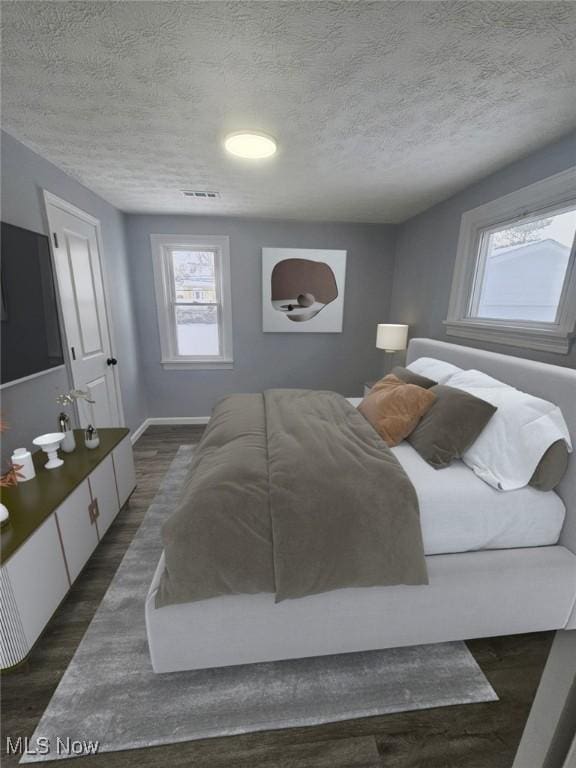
[135, 434]
[167, 420]
[178, 420]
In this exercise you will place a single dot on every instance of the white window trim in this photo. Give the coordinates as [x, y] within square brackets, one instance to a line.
[551, 193]
[170, 359]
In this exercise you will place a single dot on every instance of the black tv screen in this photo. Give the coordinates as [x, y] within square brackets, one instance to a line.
[31, 340]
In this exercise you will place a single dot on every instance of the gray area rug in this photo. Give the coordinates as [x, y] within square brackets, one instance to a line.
[110, 695]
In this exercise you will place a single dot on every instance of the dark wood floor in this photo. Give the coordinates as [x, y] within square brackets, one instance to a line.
[471, 736]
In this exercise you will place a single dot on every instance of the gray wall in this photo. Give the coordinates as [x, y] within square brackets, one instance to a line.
[426, 250]
[339, 361]
[30, 407]
[417, 256]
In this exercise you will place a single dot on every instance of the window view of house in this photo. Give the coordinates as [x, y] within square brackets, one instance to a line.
[196, 302]
[525, 269]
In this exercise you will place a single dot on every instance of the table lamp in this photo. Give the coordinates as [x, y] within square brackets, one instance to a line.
[391, 337]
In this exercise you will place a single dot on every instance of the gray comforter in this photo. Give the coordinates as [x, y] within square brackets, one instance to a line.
[291, 492]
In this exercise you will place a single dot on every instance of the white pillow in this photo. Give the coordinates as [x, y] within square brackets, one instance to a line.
[510, 446]
[437, 370]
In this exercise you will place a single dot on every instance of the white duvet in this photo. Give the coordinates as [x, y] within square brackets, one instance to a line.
[460, 513]
[510, 447]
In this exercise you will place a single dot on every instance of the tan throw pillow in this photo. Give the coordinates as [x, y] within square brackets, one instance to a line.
[394, 408]
[389, 382]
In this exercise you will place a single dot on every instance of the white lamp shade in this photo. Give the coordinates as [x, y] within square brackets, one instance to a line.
[392, 338]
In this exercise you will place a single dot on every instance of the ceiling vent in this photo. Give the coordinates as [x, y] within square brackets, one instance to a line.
[201, 194]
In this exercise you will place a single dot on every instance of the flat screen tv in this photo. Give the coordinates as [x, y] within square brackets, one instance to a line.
[31, 340]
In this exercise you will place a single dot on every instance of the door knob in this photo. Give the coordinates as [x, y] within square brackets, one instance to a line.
[111, 361]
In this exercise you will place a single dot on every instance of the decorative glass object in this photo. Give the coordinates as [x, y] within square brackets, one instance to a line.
[65, 425]
[91, 437]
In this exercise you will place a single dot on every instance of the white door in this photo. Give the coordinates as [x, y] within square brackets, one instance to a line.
[75, 242]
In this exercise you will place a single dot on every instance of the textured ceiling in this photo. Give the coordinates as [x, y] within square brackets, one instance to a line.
[380, 109]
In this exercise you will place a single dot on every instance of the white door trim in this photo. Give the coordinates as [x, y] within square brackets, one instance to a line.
[64, 205]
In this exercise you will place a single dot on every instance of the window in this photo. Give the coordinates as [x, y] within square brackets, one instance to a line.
[192, 276]
[515, 275]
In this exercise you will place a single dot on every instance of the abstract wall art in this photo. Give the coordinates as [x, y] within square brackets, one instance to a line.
[303, 290]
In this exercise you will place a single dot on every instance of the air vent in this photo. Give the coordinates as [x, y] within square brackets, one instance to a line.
[201, 194]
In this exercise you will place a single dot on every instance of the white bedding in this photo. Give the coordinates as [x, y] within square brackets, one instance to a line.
[510, 446]
[459, 512]
[470, 595]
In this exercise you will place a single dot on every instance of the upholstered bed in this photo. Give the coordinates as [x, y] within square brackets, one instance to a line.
[498, 563]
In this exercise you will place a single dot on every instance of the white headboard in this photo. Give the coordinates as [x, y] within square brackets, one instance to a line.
[551, 382]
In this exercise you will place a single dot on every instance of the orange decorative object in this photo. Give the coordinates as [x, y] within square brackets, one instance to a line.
[11, 477]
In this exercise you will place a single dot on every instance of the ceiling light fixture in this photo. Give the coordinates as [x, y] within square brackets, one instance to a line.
[250, 144]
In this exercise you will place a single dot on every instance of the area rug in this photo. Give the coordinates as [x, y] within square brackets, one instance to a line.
[110, 697]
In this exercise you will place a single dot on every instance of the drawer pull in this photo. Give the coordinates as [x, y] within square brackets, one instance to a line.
[93, 511]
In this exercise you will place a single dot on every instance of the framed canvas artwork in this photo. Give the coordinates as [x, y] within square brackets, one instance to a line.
[303, 290]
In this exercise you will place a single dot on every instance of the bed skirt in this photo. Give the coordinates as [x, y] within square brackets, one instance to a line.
[473, 594]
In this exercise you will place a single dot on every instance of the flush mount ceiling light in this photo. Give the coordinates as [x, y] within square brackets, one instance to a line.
[250, 144]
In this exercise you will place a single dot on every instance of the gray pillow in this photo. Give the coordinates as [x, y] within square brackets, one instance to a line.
[551, 468]
[409, 377]
[451, 425]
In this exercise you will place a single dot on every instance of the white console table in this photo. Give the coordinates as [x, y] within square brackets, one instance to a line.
[56, 521]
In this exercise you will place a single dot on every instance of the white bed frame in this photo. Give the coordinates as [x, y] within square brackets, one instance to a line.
[474, 594]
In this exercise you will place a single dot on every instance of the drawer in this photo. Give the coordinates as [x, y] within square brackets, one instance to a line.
[78, 530]
[124, 468]
[38, 578]
[104, 493]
